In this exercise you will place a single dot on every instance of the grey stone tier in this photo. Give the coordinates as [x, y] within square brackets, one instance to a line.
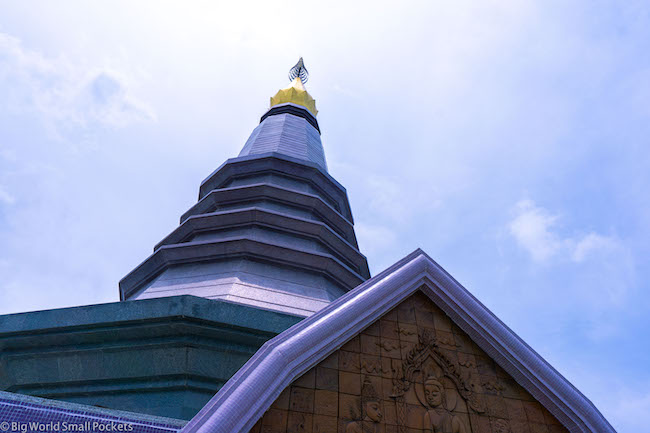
[272, 229]
[280, 227]
[164, 357]
[284, 171]
[278, 199]
[287, 134]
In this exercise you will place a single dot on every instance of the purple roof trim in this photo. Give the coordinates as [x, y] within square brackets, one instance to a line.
[251, 391]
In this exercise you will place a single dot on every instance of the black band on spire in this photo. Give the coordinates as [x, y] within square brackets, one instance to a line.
[294, 110]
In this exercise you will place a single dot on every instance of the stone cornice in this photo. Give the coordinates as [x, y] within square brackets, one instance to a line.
[283, 165]
[119, 314]
[263, 191]
[192, 252]
[277, 221]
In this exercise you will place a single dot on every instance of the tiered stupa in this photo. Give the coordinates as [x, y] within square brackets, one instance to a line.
[271, 229]
[271, 241]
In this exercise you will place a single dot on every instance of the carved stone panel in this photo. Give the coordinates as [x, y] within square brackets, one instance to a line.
[413, 371]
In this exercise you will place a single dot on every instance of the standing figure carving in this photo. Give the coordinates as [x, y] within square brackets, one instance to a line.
[438, 419]
[370, 411]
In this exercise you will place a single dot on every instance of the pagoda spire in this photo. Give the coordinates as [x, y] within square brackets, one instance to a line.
[271, 230]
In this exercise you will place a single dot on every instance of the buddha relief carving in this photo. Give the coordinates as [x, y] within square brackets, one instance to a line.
[433, 380]
[371, 414]
[438, 418]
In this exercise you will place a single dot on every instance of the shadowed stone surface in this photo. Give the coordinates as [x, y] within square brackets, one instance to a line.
[165, 356]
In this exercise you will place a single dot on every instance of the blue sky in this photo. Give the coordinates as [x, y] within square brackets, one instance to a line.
[507, 139]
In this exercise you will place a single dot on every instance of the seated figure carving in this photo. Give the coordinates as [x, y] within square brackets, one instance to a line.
[438, 419]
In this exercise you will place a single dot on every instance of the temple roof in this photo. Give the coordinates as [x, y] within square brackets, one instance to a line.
[250, 392]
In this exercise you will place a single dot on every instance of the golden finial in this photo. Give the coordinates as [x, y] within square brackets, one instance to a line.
[296, 93]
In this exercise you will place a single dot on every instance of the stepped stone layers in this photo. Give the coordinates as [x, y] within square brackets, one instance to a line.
[165, 356]
[286, 133]
[271, 229]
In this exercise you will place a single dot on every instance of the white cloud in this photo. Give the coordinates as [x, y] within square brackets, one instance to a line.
[531, 227]
[8, 155]
[599, 269]
[105, 99]
[374, 238]
[535, 229]
[592, 244]
[387, 196]
[66, 94]
[392, 197]
[6, 197]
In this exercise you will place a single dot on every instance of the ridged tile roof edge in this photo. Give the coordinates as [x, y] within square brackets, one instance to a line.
[83, 410]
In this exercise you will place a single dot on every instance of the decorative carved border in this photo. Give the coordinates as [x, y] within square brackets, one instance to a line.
[428, 347]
